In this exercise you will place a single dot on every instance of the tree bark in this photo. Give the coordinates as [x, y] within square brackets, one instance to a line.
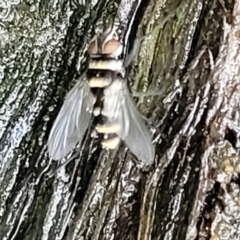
[190, 61]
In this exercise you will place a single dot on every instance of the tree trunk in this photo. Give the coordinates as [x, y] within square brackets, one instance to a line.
[190, 59]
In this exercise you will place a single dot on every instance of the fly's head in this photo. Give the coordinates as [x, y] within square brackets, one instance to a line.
[106, 42]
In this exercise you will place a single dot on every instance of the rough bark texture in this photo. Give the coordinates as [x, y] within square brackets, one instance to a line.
[192, 59]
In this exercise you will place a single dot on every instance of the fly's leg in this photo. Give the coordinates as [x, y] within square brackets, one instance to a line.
[157, 133]
[60, 166]
[134, 51]
[136, 46]
[137, 43]
[148, 93]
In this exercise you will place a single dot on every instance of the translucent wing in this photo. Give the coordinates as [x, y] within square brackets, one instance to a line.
[120, 109]
[72, 120]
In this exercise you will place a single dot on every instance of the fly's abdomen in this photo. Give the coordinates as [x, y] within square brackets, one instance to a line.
[110, 139]
[104, 67]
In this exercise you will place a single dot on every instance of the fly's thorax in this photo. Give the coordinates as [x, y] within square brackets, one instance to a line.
[108, 64]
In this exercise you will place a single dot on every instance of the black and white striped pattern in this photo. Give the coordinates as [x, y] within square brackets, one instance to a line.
[102, 93]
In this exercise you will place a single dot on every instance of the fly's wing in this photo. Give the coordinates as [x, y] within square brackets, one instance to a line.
[72, 120]
[120, 109]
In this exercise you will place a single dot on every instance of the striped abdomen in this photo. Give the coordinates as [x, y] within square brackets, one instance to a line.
[104, 68]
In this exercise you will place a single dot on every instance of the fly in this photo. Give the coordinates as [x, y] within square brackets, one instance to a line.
[103, 93]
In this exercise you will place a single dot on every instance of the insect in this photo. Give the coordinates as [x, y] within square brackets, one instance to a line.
[102, 93]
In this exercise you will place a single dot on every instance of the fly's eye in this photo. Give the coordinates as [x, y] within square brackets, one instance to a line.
[111, 46]
[92, 49]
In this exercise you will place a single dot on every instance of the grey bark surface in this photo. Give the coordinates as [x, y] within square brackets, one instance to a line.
[191, 58]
